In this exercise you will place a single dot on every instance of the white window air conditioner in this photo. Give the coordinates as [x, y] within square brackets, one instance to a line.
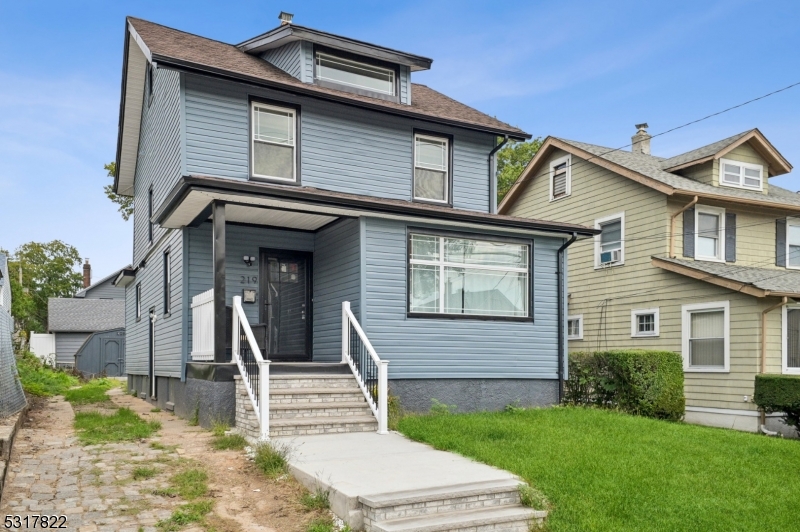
[610, 257]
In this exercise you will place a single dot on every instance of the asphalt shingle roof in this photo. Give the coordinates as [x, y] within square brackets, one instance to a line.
[85, 315]
[774, 280]
[184, 47]
[651, 166]
[700, 153]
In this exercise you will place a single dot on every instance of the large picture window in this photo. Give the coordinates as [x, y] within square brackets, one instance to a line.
[273, 146]
[461, 276]
[431, 168]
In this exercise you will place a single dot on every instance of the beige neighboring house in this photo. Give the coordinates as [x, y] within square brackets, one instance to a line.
[698, 254]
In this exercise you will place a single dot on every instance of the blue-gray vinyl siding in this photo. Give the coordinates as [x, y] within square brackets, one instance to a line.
[239, 241]
[405, 85]
[67, 344]
[288, 58]
[337, 278]
[420, 348]
[105, 290]
[343, 148]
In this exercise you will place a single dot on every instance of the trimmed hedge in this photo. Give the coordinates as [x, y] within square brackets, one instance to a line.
[640, 382]
[779, 393]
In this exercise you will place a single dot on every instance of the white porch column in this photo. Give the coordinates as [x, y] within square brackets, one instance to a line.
[345, 331]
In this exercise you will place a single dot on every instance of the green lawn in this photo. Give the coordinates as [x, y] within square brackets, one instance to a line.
[604, 470]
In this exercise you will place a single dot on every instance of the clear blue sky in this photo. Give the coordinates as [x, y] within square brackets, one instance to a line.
[581, 70]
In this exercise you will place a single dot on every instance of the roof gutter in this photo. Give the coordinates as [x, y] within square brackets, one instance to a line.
[562, 305]
[493, 175]
[672, 225]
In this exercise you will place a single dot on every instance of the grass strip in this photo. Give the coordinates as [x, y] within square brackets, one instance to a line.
[93, 391]
[122, 425]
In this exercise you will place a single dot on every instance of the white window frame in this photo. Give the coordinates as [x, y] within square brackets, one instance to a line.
[598, 223]
[446, 140]
[138, 291]
[289, 110]
[441, 264]
[579, 318]
[686, 328]
[741, 184]
[358, 64]
[568, 160]
[635, 322]
[790, 222]
[785, 369]
[718, 211]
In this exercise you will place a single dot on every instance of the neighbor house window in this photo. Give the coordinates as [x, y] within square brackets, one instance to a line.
[167, 283]
[560, 178]
[609, 244]
[644, 322]
[431, 168]
[138, 301]
[462, 276]
[706, 337]
[273, 144]
[791, 339]
[575, 327]
[355, 74]
[742, 175]
[710, 236]
[150, 214]
[793, 243]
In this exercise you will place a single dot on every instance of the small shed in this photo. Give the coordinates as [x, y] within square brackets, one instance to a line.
[103, 353]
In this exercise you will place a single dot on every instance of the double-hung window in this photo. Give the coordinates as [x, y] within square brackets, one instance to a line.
[710, 233]
[274, 142]
[355, 74]
[741, 175]
[560, 178]
[451, 275]
[791, 340]
[793, 243]
[706, 337]
[431, 168]
[575, 327]
[609, 244]
[644, 323]
[167, 283]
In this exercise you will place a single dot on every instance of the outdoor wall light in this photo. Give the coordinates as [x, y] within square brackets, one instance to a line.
[248, 260]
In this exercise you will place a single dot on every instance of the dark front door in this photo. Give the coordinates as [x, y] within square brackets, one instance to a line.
[286, 304]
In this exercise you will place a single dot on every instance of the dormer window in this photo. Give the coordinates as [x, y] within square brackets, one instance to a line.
[741, 175]
[358, 76]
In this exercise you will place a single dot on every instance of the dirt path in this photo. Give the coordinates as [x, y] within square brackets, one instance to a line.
[51, 473]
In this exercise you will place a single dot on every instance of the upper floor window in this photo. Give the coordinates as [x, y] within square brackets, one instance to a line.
[167, 283]
[793, 243]
[461, 276]
[138, 301]
[150, 214]
[355, 74]
[273, 145]
[742, 175]
[609, 244]
[431, 168]
[560, 178]
[710, 234]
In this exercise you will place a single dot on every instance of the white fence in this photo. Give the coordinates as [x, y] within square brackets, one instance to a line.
[203, 326]
[44, 347]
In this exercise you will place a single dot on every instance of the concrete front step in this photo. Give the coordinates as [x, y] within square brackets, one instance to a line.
[295, 381]
[326, 410]
[514, 518]
[431, 501]
[307, 426]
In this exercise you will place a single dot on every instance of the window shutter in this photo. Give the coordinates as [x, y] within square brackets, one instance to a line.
[688, 233]
[730, 237]
[780, 242]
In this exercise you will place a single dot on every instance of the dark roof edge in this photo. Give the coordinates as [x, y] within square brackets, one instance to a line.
[122, 91]
[211, 184]
[260, 42]
[165, 61]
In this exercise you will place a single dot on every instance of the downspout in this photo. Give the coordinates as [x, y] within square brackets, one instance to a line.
[763, 366]
[493, 175]
[562, 352]
[672, 226]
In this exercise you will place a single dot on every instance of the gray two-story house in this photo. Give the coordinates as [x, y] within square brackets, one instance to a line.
[299, 200]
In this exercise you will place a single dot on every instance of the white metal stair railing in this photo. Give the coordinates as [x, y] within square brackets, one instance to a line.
[370, 371]
[252, 366]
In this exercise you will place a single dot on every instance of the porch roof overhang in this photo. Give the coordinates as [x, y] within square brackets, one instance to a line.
[305, 208]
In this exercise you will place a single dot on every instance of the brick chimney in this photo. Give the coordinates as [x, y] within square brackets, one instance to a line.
[640, 142]
[87, 274]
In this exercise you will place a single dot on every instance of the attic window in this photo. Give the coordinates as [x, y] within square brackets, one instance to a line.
[741, 175]
[355, 74]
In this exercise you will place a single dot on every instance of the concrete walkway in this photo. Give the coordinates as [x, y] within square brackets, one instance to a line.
[372, 466]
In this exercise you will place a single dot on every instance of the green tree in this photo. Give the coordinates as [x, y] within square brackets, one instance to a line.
[48, 270]
[125, 202]
[511, 161]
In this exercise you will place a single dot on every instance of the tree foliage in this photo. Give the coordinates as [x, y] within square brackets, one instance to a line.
[511, 161]
[125, 202]
[48, 270]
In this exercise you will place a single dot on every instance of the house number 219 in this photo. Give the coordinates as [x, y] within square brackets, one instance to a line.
[249, 279]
